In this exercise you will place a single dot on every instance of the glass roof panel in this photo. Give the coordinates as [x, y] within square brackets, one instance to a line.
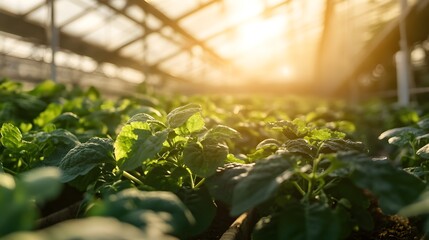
[153, 22]
[68, 10]
[206, 21]
[263, 38]
[159, 47]
[177, 64]
[135, 12]
[19, 6]
[111, 37]
[134, 50]
[39, 16]
[89, 22]
[174, 8]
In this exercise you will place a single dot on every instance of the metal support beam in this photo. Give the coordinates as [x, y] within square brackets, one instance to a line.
[35, 33]
[53, 35]
[385, 44]
[229, 29]
[148, 8]
[327, 25]
[195, 10]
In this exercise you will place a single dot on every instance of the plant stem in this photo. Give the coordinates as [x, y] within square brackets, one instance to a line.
[200, 183]
[313, 177]
[132, 178]
[191, 177]
[9, 171]
[300, 190]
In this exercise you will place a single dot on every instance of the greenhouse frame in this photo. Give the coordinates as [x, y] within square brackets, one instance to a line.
[214, 119]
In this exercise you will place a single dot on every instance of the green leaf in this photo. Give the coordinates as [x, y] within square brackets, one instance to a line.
[194, 124]
[423, 151]
[11, 137]
[67, 119]
[300, 146]
[136, 144]
[100, 228]
[204, 158]
[42, 183]
[140, 117]
[55, 145]
[395, 188]
[178, 116]
[83, 158]
[320, 134]
[338, 145]
[298, 222]
[47, 88]
[345, 189]
[269, 143]
[424, 123]
[51, 112]
[124, 204]
[401, 136]
[222, 184]
[420, 207]
[196, 200]
[221, 133]
[260, 184]
[18, 213]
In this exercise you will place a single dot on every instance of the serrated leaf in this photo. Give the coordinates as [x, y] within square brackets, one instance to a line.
[204, 158]
[136, 144]
[300, 146]
[221, 133]
[260, 184]
[400, 132]
[42, 183]
[178, 116]
[424, 123]
[11, 137]
[222, 184]
[338, 145]
[194, 124]
[423, 151]
[83, 158]
[55, 145]
[320, 134]
[140, 117]
[269, 143]
[124, 204]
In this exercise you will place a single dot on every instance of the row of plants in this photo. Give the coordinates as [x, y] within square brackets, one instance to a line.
[159, 167]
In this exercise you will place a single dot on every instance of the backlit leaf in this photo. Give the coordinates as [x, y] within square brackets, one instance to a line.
[178, 116]
[204, 158]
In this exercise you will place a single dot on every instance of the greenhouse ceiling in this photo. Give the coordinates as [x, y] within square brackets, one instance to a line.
[199, 41]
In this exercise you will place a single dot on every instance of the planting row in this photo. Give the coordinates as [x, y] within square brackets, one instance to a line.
[75, 165]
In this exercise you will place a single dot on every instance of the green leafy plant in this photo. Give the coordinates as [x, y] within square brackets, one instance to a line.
[311, 184]
[19, 195]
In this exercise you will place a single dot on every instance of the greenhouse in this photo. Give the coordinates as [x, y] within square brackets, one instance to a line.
[214, 119]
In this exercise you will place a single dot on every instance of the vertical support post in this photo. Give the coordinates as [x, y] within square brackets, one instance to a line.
[402, 79]
[402, 58]
[53, 39]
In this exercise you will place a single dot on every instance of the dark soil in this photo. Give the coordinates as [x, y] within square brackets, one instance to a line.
[388, 227]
